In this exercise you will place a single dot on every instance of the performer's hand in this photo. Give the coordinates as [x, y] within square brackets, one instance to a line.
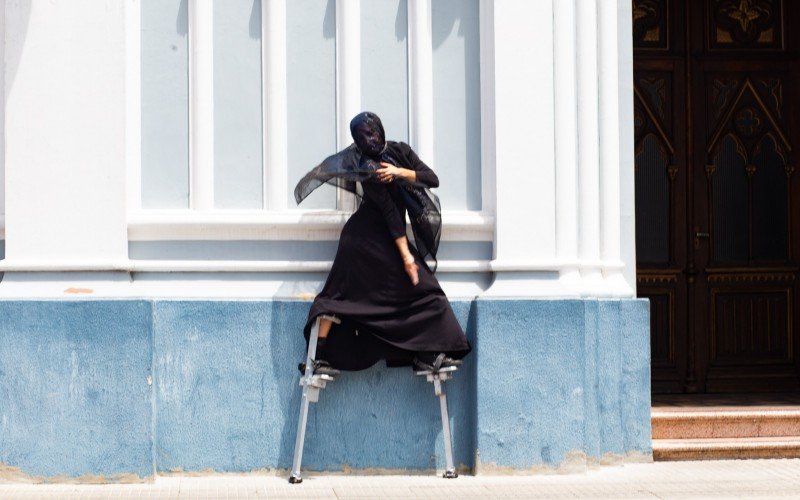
[389, 172]
[412, 270]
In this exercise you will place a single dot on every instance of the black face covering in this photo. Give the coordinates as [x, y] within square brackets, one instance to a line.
[367, 131]
[358, 163]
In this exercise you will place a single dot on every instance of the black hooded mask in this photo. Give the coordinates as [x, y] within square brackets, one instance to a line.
[359, 163]
[367, 131]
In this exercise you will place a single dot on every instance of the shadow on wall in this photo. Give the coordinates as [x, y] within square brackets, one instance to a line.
[255, 20]
[182, 21]
[254, 26]
[401, 21]
[17, 16]
[458, 19]
[287, 341]
[329, 21]
[446, 14]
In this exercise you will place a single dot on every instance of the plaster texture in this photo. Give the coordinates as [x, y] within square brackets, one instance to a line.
[227, 397]
[74, 393]
[561, 376]
[547, 379]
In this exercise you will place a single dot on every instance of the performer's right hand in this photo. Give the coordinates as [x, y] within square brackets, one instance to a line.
[412, 270]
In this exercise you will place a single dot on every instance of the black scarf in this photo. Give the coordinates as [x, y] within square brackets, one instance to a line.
[359, 163]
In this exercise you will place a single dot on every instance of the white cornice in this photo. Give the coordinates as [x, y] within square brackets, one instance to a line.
[282, 225]
[284, 266]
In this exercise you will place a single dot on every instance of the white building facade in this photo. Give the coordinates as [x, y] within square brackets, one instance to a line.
[157, 271]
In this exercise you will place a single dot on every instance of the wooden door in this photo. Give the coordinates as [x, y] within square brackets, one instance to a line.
[716, 93]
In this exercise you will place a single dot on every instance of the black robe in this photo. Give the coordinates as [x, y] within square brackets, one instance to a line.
[383, 315]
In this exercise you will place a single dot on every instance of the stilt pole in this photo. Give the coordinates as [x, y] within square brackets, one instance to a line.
[311, 386]
[438, 378]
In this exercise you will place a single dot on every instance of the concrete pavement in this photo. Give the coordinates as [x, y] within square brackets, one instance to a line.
[704, 479]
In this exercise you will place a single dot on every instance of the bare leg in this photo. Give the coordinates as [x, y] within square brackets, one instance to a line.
[324, 327]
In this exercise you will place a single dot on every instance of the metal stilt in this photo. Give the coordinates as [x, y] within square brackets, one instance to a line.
[438, 378]
[311, 386]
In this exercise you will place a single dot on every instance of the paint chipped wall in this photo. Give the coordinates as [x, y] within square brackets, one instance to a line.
[118, 387]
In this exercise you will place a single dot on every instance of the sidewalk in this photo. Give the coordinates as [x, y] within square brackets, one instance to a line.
[712, 479]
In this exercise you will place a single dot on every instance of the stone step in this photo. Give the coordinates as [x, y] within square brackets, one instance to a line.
[726, 448]
[725, 423]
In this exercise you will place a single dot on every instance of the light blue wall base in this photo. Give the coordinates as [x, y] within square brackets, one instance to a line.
[113, 387]
[74, 394]
[560, 376]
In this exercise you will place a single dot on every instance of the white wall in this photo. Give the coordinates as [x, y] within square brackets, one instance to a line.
[163, 63]
[237, 105]
[65, 131]
[384, 63]
[456, 102]
[2, 122]
[522, 106]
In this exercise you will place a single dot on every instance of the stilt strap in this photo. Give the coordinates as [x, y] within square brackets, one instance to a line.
[318, 381]
[443, 373]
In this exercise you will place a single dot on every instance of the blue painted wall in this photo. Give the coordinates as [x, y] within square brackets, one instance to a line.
[558, 376]
[547, 377]
[74, 392]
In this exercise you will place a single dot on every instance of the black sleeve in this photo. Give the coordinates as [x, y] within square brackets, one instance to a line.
[377, 194]
[424, 173]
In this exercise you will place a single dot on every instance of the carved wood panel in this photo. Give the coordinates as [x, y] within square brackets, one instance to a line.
[662, 339]
[651, 24]
[655, 165]
[660, 175]
[749, 169]
[745, 294]
[751, 326]
[745, 25]
[667, 342]
[716, 120]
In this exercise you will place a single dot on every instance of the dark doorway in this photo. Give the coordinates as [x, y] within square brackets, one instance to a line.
[717, 122]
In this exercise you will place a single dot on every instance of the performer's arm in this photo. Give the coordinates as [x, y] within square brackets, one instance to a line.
[397, 228]
[417, 171]
[411, 267]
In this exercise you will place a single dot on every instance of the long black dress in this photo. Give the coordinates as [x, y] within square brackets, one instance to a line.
[383, 315]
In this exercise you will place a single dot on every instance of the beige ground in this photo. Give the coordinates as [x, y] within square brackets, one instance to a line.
[712, 479]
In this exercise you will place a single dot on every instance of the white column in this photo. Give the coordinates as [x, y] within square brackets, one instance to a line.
[348, 79]
[2, 122]
[524, 148]
[133, 104]
[273, 78]
[588, 146]
[566, 140]
[627, 205]
[420, 78]
[201, 104]
[609, 120]
[65, 132]
[486, 67]
[348, 67]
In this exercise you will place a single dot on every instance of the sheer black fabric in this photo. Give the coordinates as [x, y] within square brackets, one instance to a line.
[359, 162]
[384, 315]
